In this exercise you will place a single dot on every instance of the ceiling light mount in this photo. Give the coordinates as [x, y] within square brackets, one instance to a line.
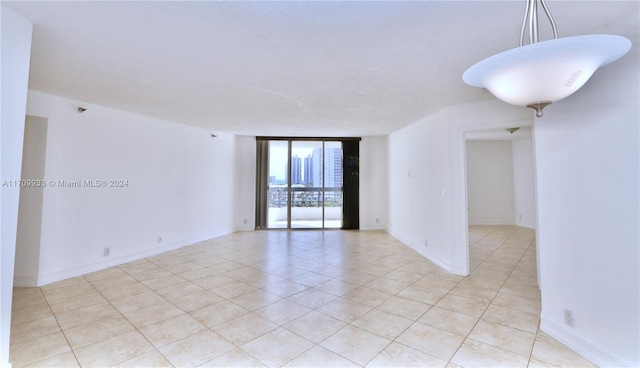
[512, 130]
[540, 73]
[538, 106]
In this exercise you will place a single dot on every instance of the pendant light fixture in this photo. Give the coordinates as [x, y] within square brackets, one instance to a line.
[540, 73]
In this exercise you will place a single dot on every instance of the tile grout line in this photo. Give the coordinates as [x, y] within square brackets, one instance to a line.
[129, 322]
[492, 299]
[335, 332]
[351, 323]
[485, 309]
[61, 330]
[352, 268]
[59, 327]
[185, 312]
[125, 318]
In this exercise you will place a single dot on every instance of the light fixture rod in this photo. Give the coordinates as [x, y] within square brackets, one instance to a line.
[531, 20]
[550, 17]
[524, 24]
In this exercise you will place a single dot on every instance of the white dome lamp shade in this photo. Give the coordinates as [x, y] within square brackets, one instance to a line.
[540, 73]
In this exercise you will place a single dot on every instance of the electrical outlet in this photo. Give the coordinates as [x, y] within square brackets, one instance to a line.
[159, 239]
[568, 317]
[426, 243]
[377, 220]
[245, 221]
[106, 251]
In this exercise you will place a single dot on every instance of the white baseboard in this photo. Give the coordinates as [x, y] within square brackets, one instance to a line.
[371, 227]
[25, 281]
[244, 228]
[129, 257]
[585, 348]
[439, 262]
[490, 223]
[527, 224]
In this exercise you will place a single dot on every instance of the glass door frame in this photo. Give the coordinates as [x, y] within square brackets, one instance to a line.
[293, 190]
[262, 174]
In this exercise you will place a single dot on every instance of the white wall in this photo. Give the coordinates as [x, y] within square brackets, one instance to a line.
[524, 183]
[490, 183]
[587, 153]
[179, 186]
[373, 183]
[16, 54]
[245, 191]
[427, 181]
[419, 213]
[30, 208]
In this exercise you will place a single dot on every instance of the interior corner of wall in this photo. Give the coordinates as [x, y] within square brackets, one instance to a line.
[244, 228]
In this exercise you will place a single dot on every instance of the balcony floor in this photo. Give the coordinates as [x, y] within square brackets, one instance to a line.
[306, 224]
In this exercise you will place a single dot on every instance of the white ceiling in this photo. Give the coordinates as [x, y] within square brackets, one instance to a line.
[281, 68]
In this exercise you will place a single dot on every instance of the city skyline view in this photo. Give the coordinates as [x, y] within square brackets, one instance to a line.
[306, 165]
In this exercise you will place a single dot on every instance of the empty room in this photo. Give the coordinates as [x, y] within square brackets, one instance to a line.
[320, 183]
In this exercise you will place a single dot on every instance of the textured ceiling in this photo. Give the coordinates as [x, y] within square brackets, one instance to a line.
[281, 68]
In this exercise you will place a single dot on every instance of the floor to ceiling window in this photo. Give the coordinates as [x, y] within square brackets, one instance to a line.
[303, 183]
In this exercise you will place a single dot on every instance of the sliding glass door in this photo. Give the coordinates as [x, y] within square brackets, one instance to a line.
[307, 185]
[278, 181]
[332, 185]
[300, 184]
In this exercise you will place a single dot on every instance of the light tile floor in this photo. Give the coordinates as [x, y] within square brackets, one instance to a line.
[334, 298]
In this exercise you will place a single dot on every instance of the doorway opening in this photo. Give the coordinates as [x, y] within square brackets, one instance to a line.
[499, 181]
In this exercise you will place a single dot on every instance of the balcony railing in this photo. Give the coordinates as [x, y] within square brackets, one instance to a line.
[305, 197]
[308, 205]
